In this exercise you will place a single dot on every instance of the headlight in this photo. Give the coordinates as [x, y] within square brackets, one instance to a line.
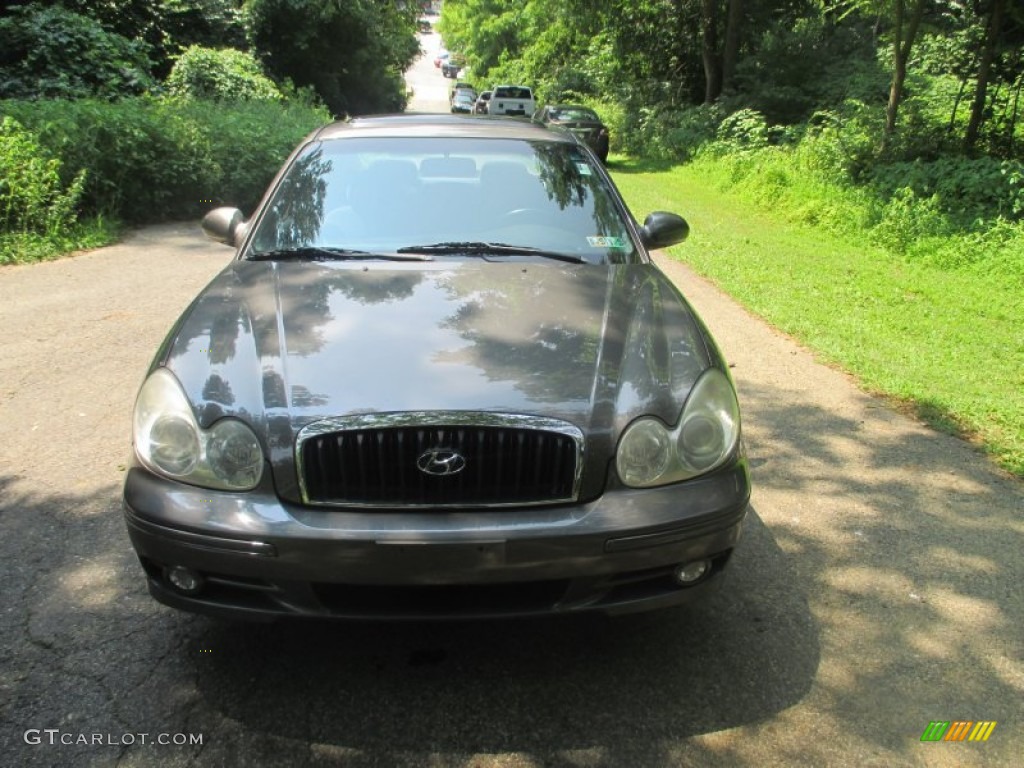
[644, 453]
[168, 440]
[706, 435]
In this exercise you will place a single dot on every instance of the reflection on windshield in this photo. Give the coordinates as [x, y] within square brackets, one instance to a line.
[295, 215]
[382, 194]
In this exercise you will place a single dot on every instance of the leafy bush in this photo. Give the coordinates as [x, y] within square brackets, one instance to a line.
[966, 188]
[220, 75]
[907, 219]
[743, 130]
[671, 133]
[150, 160]
[50, 52]
[841, 144]
[35, 206]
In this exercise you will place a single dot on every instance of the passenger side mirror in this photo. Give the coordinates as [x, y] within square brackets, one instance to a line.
[225, 225]
[662, 229]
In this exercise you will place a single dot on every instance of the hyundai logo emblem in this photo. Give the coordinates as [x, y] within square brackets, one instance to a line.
[441, 462]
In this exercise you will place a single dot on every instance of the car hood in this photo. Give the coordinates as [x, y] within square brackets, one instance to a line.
[282, 345]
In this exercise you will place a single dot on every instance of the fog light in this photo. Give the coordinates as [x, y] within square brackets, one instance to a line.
[689, 573]
[183, 579]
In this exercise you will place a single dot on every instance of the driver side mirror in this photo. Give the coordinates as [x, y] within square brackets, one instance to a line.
[662, 229]
[225, 225]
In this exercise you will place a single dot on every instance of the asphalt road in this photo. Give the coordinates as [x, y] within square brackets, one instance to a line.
[877, 588]
[429, 87]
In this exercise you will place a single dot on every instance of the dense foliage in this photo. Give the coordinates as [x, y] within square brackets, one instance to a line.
[939, 66]
[219, 75]
[900, 120]
[141, 110]
[51, 52]
[35, 205]
[352, 52]
[70, 170]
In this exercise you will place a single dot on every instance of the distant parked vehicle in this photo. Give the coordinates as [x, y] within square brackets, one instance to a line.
[480, 107]
[464, 101]
[452, 66]
[582, 121]
[511, 100]
[458, 87]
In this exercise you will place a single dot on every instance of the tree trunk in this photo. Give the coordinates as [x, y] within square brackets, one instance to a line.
[995, 28]
[709, 51]
[731, 50]
[902, 43]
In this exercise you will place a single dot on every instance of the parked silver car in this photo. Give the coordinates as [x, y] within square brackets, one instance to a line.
[384, 409]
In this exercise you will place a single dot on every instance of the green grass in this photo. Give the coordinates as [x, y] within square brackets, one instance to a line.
[948, 345]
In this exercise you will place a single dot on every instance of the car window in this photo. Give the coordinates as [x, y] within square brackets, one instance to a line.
[573, 113]
[513, 92]
[383, 194]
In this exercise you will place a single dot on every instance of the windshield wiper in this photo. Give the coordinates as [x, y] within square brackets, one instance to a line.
[328, 253]
[482, 248]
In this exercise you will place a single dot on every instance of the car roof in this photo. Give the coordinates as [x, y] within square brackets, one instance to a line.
[440, 126]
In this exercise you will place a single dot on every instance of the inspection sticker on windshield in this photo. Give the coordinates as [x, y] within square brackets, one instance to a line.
[606, 242]
[584, 169]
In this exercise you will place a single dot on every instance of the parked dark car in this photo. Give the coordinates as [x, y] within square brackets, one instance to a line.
[463, 101]
[379, 409]
[460, 86]
[582, 121]
[480, 107]
[452, 66]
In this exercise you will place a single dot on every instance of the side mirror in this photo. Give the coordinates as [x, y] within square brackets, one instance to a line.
[225, 225]
[662, 229]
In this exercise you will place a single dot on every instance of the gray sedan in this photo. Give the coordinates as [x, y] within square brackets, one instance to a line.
[382, 408]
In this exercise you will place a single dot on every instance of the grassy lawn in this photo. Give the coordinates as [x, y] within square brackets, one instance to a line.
[948, 345]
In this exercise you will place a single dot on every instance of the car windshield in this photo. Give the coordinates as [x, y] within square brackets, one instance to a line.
[512, 92]
[573, 113]
[381, 195]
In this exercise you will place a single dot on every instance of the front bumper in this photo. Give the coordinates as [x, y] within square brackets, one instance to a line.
[261, 558]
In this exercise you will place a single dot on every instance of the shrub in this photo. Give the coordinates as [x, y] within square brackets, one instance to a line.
[671, 133]
[155, 159]
[220, 75]
[35, 206]
[969, 189]
[743, 130]
[50, 52]
[907, 218]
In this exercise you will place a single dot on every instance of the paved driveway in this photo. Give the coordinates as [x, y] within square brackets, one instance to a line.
[878, 588]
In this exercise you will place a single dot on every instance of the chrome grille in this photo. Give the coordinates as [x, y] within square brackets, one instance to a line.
[439, 460]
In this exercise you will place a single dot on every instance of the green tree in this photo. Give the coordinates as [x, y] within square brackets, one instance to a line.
[353, 53]
[168, 27]
[907, 15]
[51, 52]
